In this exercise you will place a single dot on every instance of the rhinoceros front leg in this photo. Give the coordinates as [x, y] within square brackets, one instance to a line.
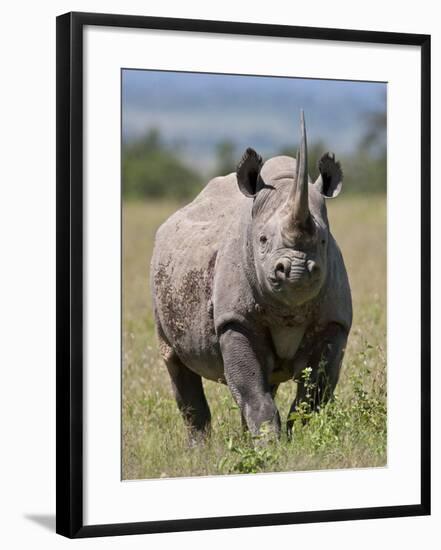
[247, 380]
[244, 424]
[325, 361]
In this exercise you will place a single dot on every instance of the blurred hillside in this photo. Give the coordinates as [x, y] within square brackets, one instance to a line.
[150, 168]
[181, 129]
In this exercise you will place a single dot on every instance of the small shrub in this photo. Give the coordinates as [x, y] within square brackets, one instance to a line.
[249, 456]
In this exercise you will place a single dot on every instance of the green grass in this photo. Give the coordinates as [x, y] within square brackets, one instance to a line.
[348, 433]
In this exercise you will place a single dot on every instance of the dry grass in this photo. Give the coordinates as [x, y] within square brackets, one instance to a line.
[351, 432]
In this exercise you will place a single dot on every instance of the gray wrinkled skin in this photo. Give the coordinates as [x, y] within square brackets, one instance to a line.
[249, 288]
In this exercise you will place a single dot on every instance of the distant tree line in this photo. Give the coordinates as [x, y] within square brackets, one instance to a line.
[152, 169]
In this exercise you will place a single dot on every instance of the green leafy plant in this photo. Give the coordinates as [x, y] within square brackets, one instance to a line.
[255, 454]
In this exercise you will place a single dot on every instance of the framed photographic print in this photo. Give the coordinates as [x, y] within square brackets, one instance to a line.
[243, 289]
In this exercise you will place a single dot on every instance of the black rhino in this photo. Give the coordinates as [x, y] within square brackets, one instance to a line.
[249, 288]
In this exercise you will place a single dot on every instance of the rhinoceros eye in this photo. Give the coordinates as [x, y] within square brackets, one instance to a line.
[263, 239]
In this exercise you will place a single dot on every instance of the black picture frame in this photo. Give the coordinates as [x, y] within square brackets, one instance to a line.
[69, 266]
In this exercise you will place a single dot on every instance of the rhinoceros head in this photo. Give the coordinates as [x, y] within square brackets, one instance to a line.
[289, 231]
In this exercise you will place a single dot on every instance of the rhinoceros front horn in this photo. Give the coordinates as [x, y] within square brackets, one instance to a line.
[296, 207]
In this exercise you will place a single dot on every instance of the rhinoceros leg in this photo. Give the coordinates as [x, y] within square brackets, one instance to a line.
[274, 388]
[188, 390]
[190, 397]
[325, 361]
[247, 380]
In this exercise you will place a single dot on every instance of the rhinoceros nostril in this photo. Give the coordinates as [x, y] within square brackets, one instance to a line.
[282, 268]
[313, 268]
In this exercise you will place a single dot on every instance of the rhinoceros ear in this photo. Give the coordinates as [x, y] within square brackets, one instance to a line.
[247, 172]
[330, 180]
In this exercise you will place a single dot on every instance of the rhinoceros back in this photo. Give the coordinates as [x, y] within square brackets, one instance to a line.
[182, 270]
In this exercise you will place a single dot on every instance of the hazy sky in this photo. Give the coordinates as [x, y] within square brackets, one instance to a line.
[197, 111]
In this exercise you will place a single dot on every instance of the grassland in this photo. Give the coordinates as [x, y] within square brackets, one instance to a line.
[348, 433]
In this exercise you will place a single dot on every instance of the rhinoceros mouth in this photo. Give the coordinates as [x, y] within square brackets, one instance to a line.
[299, 281]
[296, 285]
[294, 294]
